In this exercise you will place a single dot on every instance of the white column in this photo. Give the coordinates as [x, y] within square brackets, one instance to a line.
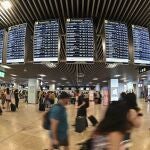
[33, 85]
[52, 87]
[114, 90]
[16, 85]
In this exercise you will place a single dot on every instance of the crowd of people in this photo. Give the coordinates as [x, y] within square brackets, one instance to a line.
[6, 96]
[111, 133]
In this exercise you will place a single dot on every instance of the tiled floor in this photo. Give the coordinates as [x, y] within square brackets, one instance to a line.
[22, 130]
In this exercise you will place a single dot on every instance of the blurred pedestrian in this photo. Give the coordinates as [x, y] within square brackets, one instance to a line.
[58, 122]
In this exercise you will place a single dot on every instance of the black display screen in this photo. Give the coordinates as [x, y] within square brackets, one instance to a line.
[46, 41]
[79, 40]
[16, 43]
[116, 42]
[1, 44]
[141, 44]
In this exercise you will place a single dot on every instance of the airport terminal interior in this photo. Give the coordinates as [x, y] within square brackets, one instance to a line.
[96, 49]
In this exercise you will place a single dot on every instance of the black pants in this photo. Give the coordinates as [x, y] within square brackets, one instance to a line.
[16, 102]
[82, 112]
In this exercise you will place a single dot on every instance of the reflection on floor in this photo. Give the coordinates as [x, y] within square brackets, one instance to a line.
[22, 130]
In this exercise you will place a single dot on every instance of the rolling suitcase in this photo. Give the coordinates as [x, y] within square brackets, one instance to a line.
[41, 107]
[13, 107]
[93, 120]
[80, 124]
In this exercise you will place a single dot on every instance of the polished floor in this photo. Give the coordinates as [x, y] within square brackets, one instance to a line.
[22, 130]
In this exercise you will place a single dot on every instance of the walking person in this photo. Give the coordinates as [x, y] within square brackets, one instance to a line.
[3, 98]
[58, 123]
[8, 99]
[110, 132]
[16, 97]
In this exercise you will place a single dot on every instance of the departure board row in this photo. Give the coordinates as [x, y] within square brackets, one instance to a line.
[1, 44]
[141, 44]
[116, 37]
[16, 43]
[79, 40]
[46, 41]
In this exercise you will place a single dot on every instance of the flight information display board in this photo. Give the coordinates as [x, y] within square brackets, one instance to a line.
[116, 42]
[141, 44]
[79, 40]
[46, 41]
[16, 43]
[2, 32]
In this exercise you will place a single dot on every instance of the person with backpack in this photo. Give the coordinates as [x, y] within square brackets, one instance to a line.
[8, 99]
[58, 122]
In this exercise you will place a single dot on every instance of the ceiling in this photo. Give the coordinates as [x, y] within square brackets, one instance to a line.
[129, 11]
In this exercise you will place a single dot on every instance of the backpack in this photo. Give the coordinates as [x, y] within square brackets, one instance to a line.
[46, 120]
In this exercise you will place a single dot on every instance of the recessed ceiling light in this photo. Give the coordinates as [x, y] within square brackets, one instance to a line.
[144, 75]
[6, 67]
[46, 82]
[123, 79]
[104, 81]
[14, 75]
[95, 79]
[42, 75]
[112, 66]
[53, 81]
[40, 78]
[117, 75]
[51, 65]
[63, 79]
[6, 4]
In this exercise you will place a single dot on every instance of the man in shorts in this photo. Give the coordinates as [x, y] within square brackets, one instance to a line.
[58, 122]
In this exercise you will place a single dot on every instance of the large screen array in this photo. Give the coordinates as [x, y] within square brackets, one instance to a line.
[46, 41]
[1, 44]
[79, 40]
[16, 44]
[116, 42]
[141, 44]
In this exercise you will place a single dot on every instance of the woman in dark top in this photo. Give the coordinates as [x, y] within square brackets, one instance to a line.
[81, 106]
[16, 98]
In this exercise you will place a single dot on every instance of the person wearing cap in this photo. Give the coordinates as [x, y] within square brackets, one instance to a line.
[58, 122]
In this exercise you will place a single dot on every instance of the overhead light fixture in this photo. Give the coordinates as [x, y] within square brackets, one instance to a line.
[6, 67]
[53, 81]
[14, 75]
[95, 79]
[40, 78]
[117, 75]
[50, 65]
[112, 66]
[144, 75]
[123, 79]
[42, 75]
[104, 81]
[46, 82]
[68, 82]
[63, 79]
[6, 4]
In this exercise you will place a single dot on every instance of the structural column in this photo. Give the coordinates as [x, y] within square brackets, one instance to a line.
[33, 85]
